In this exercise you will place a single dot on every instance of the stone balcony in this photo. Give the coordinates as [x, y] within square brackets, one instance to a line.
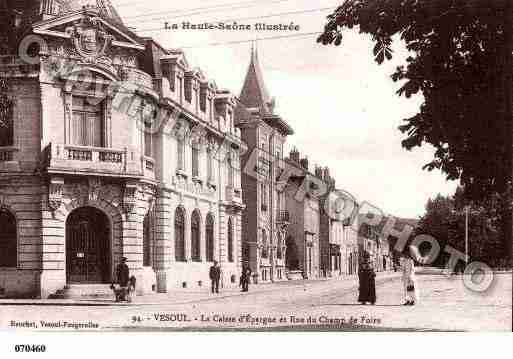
[234, 197]
[72, 159]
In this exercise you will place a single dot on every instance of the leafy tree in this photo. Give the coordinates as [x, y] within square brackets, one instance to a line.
[445, 221]
[461, 61]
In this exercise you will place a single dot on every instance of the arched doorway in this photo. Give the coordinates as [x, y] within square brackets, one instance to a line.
[88, 248]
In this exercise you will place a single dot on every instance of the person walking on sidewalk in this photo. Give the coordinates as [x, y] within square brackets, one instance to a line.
[367, 280]
[244, 278]
[410, 287]
[215, 276]
[123, 277]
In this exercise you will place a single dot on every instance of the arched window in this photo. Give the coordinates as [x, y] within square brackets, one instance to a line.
[180, 235]
[209, 233]
[8, 240]
[195, 237]
[147, 234]
[230, 240]
[264, 244]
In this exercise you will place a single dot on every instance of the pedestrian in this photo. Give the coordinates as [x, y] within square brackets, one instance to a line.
[410, 287]
[123, 278]
[215, 275]
[244, 278]
[367, 280]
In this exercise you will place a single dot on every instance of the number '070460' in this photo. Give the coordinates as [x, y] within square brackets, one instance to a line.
[29, 348]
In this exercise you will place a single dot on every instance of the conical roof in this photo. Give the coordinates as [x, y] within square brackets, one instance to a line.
[254, 93]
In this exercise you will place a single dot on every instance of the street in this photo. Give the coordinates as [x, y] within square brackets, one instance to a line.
[445, 304]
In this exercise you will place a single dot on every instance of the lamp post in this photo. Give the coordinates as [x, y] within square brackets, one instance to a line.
[467, 208]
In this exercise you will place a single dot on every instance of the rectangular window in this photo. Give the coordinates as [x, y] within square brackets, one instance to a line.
[7, 129]
[195, 161]
[87, 123]
[180, 89]
[263, 196]
[180, 154]
[188, 89]
[210, 170]
[263, 142]
[195, 100]
[148, 141]
[230, 172]
[203, 100]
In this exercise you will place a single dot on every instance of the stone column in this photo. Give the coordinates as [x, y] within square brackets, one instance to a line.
[52, 230]
[164, 250]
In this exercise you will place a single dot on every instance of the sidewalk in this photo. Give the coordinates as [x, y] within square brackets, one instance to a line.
[189, 296]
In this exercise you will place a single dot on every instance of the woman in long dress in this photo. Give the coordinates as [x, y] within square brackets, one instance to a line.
[367, 281]
[410, 287]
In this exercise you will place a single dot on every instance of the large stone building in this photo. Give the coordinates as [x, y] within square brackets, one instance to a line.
[265, 218]
[303, 234]
[111, 146]
[337, 240]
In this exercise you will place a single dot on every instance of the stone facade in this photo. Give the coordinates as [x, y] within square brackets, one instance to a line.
[303, 233]
[111, 127]
[265, 219]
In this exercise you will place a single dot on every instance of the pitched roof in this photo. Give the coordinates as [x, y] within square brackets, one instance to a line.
[254, 93]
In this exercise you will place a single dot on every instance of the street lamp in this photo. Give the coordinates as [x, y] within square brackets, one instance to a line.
[467, 208]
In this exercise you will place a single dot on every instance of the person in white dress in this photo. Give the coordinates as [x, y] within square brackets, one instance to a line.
[410, 285]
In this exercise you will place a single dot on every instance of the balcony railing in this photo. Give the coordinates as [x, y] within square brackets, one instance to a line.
[96, 160]
[283, 216]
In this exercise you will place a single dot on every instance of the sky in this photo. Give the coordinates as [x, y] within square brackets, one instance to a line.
[341, 104]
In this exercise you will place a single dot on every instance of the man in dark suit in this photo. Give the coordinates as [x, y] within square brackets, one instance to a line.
[123, 277]
[245, 278]
[215, 275]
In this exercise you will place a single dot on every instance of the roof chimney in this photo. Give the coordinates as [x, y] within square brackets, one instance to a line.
[318, 172]
[304, 163]
[294, 155]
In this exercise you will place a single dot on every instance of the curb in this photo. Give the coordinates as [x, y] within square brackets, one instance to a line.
[95, 303]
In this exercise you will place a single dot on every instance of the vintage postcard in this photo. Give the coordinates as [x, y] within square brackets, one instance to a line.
[281, 165]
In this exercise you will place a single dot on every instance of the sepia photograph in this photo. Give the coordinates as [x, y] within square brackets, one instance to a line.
[255, 166]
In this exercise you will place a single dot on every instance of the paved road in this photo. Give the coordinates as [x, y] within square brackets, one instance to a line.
[322, 305]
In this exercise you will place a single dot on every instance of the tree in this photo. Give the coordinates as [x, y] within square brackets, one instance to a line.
[461, 62]
[445, 221]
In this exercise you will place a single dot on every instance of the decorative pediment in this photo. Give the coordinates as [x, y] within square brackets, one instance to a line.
[177, 57]
[89, 33]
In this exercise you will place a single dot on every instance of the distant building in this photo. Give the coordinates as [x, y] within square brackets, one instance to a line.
[303, 245]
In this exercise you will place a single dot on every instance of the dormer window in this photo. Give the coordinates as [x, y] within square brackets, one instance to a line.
[179, 87]
[188, 89]
[210, 106]
[203, 99]
[56, 8]
[195, 99]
